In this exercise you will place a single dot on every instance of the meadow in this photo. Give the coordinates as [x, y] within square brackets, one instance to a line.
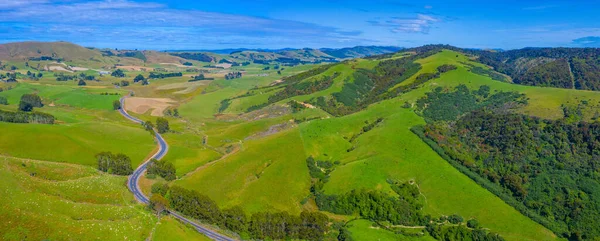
[42, 201]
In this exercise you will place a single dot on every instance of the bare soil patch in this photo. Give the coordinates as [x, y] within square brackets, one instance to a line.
[135, 68]
[142, 105]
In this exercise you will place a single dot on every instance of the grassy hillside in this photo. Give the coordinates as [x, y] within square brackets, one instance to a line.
[369, 160]
[171, 229]
[246, 141]
[56, 50]
[42, 200]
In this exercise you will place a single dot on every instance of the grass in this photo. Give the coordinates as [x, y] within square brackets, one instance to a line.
[81, 97]
[392, 151]
[266, 174]
[544, 102]
[171, 229]
[187, 153]
[363, 230]
[75, 143]
[43, 201]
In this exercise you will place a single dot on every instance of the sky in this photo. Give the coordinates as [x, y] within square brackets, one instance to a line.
[202, 24]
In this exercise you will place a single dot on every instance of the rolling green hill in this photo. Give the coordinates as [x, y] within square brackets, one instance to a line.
[429, 143]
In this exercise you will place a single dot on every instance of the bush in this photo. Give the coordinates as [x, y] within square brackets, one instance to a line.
[116, 104]
[473, 223]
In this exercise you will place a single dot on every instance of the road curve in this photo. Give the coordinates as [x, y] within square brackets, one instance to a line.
[134, 187]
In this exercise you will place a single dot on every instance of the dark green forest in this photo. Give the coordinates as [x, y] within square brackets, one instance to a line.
[547, 169]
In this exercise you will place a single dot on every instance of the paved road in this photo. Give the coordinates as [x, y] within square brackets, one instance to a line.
[134, 186]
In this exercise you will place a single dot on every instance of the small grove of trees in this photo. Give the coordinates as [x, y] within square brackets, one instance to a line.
[173, 112]
[118, 73]
[29, 101]
[199, 77]
[138, 78]
[116, 105]
[3, 100]
[155, 75]
[163, 169]
[233, 75]
[81, 82]
[118, 164]
[162, 125]
[261, 225]
[26, 117]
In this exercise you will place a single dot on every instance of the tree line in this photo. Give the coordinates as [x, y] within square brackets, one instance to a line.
[261, 225]
[26, 117]
[155, 75]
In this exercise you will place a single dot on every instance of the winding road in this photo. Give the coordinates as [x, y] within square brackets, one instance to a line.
[134, 187]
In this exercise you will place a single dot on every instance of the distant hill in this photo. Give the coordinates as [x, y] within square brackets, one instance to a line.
[46, 50]
[288, 55]
[571, 68]
[360, 51]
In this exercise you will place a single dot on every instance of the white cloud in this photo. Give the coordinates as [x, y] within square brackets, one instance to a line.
[112, 21]
[421, 23]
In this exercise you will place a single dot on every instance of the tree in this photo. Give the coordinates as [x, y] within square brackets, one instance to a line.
[116, 104]
[235, 219]
[163, 169]
[118, 73]
[29, 101]
[104, 160]
[175, 113]
[473, 223]
[455, 219]
[81, 82]
[124, 83]
[158, 203]
[160, 188]
[39, 75]
[3, 100]
[148, 126]
[119, 164]
[145, 82]
[162, 125]
[138, 78]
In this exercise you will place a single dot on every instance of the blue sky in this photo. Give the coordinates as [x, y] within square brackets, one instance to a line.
[189, 24]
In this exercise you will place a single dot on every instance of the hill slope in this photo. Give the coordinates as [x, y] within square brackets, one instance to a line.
[54, 50]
